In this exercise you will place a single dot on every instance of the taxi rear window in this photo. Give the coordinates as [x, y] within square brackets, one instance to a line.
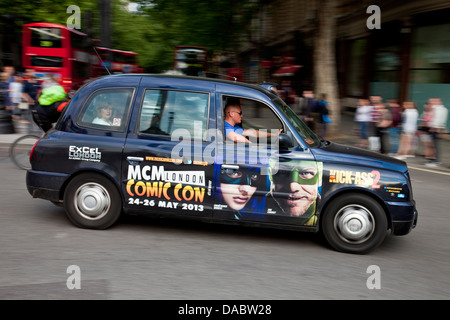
[107, 109]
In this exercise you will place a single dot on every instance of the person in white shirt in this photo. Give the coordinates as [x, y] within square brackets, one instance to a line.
[15, 95]
[409, 128]
[104, 114]
[438, 124]
[363, 117]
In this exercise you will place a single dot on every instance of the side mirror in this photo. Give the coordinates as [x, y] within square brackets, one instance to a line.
[285, 141]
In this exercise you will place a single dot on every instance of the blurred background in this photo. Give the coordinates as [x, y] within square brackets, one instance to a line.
[337, 47]
[396, 50]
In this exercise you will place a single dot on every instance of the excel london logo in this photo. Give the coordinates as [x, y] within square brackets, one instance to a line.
[84, 154]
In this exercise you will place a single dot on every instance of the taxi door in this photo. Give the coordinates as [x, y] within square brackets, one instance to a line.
[242, 175]
[164, 169]
[262, 183]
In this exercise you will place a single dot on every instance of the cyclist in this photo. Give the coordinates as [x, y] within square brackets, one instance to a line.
[49, 105]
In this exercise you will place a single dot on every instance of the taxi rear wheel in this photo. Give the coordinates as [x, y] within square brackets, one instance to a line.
[354, 223]
[92, 201]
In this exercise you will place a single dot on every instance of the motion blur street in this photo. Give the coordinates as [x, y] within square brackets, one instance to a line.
[342, 66]
[166, 259]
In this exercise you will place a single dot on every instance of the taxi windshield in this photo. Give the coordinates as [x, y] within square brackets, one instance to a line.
[302, 129]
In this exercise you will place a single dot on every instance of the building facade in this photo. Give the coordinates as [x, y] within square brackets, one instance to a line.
[398, 50]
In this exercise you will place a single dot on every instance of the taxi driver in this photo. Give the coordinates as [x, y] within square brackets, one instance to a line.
[233, 119]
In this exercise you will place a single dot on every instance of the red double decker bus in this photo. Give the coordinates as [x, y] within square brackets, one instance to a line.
[50, 48]
[68, 55]
[116, 61]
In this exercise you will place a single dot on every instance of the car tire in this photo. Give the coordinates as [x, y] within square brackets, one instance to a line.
[354, 223]
[92, 201]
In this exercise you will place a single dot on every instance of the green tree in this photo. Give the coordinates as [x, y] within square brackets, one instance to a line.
[214, 24]
[325, 74]
[154, 29]
[53, 11]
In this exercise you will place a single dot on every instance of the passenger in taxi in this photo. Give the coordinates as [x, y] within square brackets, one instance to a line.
[104, 114]
[233, 118]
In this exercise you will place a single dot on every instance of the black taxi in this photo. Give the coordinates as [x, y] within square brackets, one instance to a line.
[156, 145]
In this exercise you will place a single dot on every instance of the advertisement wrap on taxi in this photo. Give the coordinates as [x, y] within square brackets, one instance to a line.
[156, 187]
[160, 146]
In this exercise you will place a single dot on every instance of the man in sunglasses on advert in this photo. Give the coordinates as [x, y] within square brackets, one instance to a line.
[295, 190]
[233, 118]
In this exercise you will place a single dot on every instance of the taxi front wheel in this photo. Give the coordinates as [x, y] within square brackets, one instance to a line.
[354, 223]
[92, 201]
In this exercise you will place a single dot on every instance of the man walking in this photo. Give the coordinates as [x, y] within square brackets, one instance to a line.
[437, 125]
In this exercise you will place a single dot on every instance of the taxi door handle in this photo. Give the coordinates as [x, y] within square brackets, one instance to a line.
[138, 159]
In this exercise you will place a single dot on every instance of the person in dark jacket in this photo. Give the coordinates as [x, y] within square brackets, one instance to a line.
[321, 115]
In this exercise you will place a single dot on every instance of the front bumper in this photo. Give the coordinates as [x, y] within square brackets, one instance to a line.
[404, 217]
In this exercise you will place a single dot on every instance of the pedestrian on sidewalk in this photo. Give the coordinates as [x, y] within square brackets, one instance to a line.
[31, 86]
[6, 124]
[363, 119]
[15, 95]
[374, 114]
[322, 112]
[307, 105]
[396, 127]
[4, 90]
[384, 122]
[8, 72]
[409, 128]
[423, 131]
[437, 125]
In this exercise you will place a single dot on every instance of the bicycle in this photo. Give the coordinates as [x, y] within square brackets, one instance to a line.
[21, 148]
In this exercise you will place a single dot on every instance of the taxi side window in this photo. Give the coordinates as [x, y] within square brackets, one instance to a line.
[256, 115]
[107, 109]
[164, 111]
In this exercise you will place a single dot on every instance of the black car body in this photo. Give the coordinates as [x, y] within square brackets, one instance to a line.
[164, 154]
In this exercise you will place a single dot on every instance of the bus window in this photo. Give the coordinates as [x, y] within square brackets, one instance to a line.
[46, 37]
[46, 61]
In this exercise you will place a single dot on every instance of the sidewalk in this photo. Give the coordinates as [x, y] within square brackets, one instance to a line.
[20, 130]
[343, 136]
[7, 139]
[346, 136]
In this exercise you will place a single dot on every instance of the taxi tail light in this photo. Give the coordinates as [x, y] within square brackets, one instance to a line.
[32, 149]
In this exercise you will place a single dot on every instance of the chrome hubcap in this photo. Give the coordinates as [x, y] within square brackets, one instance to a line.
[92, 201]
[354, 224]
